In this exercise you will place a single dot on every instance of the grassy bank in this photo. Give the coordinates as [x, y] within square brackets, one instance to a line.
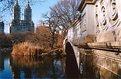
[26, 48]
[31, 49]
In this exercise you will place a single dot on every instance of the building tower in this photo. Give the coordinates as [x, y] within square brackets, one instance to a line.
[16, 11]
[18, 25]
[28, 17]
[1, 27]
[16, 18]
[28, 13]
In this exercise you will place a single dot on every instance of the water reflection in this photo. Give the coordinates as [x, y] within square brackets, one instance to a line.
[99, 64]
[37, 67]
[5, 72]
[47, 67]
[1, 62]
[58, 67]
[87, 66]
[92, 66]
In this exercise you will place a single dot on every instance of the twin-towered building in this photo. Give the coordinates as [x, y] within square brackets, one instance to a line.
[18, 25]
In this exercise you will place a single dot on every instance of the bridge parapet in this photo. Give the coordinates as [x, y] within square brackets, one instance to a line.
[100, 21]
[96, 34]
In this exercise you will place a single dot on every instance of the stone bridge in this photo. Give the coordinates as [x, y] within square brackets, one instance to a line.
[94, 40]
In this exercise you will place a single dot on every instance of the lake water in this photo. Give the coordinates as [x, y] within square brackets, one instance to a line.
[58, 67]
[46, 67]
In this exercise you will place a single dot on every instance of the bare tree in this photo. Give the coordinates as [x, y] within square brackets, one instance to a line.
[62, 15]
[66, 12]
[52, 23]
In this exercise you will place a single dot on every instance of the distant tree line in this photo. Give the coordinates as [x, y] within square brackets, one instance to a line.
[42, 37]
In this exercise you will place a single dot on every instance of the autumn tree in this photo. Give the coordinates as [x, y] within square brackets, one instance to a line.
[52, 23]
[61, 17]
[44, 35]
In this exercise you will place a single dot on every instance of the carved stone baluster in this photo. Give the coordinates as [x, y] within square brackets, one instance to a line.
[104, 17]
[97, 21]
[114, 14]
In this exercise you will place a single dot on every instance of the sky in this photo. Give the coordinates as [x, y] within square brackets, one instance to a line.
[42, 8]
[37, 11]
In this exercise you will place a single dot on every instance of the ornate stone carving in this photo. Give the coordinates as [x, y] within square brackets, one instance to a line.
[114, 13]
[106, 15]
[97, 20]
[103, 13]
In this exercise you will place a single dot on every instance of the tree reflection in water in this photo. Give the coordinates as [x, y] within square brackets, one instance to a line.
[58, 68]
[37, 67]
[55, 67]
[1, 62]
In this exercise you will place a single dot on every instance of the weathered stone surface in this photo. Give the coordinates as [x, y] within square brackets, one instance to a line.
[97, 37]
[101, 20]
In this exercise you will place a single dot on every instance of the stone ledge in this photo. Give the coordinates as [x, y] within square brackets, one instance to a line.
[107, 46]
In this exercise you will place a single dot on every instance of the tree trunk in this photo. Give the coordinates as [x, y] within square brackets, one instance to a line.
[53, 40]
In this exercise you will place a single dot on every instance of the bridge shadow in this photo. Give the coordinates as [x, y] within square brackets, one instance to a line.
[71, 69]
